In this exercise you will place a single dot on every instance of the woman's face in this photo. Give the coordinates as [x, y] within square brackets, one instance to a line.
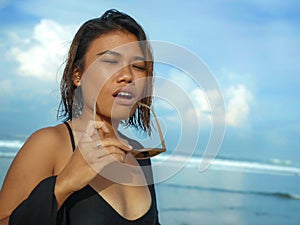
[114, 75]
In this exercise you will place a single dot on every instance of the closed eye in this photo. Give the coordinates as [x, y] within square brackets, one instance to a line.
[110, 61]
[142, 68]
[140, 65]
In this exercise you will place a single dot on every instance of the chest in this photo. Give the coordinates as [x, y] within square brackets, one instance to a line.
[131, 202]
[88, 207]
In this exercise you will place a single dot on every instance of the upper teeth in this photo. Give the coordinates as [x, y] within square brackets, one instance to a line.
[126, 94]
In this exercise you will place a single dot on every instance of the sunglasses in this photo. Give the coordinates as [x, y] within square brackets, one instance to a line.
[146, 153]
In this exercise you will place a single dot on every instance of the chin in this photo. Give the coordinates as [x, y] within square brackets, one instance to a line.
[122, 113]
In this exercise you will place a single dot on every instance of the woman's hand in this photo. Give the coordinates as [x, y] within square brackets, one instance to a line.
[93, 153]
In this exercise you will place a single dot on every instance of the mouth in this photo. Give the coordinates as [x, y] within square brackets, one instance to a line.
[125, 96]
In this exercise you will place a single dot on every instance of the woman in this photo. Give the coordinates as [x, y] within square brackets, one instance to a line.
[67, 174]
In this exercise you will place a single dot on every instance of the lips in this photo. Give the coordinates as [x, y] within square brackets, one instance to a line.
[125, 96]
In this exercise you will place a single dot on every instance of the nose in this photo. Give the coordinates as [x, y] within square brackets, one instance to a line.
[125, 75]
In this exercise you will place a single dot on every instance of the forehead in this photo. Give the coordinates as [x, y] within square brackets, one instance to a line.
[124, 43]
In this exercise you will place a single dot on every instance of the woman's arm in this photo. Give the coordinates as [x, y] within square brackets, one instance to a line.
[34, 162]
[32, 173]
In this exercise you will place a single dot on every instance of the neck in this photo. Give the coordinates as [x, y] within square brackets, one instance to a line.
[88, 114]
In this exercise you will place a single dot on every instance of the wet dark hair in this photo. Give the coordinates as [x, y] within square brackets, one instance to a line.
[112, 20]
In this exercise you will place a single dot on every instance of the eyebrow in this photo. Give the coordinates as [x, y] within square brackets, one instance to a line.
[139, 58]
[114, 53]
[110, 52]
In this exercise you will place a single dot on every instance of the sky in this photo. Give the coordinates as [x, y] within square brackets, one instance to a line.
[252, 50]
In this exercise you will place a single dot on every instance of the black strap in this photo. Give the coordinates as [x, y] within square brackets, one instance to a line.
[71, 135]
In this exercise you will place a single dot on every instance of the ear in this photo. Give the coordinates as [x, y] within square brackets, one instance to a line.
[76, 77]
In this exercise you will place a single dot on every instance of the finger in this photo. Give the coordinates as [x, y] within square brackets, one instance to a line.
[90, 142]
[108, 142]
[98, 156]
[96, 130]
[124, 141]
[101, 126]
[108, 147]
[119, 157]
[94, 155]
[101, 129]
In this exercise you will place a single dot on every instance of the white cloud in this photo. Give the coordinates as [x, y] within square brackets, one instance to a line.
[192, 101]
[237, 100]
[202, 107]
[42, 54]
[182, 99]
[238, 105]
[238, 92]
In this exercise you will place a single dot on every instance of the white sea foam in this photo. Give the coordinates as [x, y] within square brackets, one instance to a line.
[233, 165]
[256, 167]
[7, 154]
[16, 144]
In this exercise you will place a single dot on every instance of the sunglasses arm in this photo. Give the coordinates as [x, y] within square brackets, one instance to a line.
[157, 124]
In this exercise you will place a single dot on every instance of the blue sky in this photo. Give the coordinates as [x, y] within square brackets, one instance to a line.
[251, 47]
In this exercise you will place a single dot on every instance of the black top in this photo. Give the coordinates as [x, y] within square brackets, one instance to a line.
[84, 207]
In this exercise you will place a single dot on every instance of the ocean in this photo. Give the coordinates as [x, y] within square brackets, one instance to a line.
[230, 192]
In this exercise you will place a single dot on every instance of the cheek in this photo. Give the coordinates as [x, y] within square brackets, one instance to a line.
[104, 98]
[93, 84]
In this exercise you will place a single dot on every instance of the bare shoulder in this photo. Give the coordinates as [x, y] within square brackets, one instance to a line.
[44, 147]
[46, 141]
[48, 137]
[36, 160]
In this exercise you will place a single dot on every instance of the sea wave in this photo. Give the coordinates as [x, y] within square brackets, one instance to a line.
[12, 144]
[284, 195]
[7, 154]
[256, 167]
[233, 165]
